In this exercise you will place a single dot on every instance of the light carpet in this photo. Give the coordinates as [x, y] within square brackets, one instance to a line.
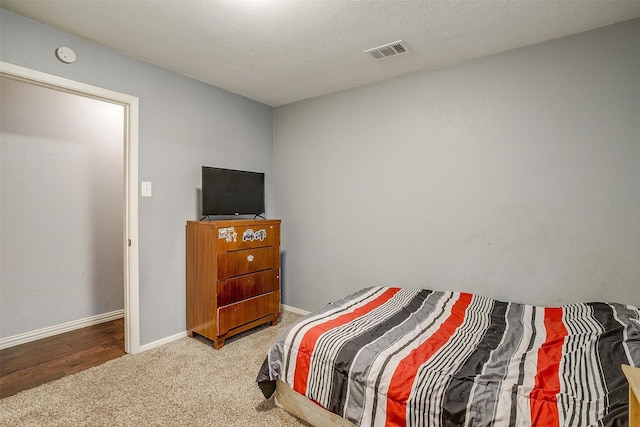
[183, 383]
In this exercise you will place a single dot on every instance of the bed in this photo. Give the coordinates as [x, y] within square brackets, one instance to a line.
[388, 356]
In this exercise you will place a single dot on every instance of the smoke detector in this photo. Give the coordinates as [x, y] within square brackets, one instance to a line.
[66, 55]
[388, 50]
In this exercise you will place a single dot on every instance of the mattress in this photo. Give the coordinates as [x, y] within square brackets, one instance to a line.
[387, 356]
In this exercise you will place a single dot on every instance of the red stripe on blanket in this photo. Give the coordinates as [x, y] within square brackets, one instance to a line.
[405, 374]
[308, 343]
[544, 405]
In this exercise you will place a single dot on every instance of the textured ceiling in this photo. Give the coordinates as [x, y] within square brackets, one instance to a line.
[278, 52]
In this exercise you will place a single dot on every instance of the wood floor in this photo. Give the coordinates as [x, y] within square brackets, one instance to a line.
[29, 365]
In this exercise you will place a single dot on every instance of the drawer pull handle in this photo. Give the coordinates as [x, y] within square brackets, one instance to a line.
[250, 258]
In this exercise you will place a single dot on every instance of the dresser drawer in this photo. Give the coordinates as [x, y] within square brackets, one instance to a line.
[240, 313]
[247, 286]
[233, 238]
[248, 261]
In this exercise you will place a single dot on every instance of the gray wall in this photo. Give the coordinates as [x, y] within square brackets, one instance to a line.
[61, 204]
[184, 124]
[516, 176]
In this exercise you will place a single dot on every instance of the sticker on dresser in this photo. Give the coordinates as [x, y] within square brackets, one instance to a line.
[249, 235]
[228, 233]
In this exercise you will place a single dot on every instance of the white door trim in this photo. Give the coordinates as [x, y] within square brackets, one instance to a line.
[130, 238]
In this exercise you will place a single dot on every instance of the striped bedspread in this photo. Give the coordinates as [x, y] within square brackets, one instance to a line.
[395, 357]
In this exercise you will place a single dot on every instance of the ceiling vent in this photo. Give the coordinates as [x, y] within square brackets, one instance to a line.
[388, 50]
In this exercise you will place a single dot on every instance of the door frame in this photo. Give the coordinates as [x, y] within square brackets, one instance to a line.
[130, 237]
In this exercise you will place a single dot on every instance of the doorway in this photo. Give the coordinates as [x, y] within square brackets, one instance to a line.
[126, 107]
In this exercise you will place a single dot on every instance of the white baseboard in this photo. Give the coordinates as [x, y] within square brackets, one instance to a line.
[180, 335]
[163, 341]
[59, 329]
[294, 309]
[94, 320]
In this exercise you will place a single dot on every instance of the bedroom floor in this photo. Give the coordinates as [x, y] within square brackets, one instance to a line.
[32, 364]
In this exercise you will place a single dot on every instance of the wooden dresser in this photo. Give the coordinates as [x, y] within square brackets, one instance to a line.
[233, 276]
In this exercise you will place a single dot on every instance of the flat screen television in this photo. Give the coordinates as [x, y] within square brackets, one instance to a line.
[232, 192]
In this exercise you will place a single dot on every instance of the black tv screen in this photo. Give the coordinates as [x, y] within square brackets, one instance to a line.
[232, 192]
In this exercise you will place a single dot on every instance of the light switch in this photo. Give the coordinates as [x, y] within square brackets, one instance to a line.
[145, 189]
